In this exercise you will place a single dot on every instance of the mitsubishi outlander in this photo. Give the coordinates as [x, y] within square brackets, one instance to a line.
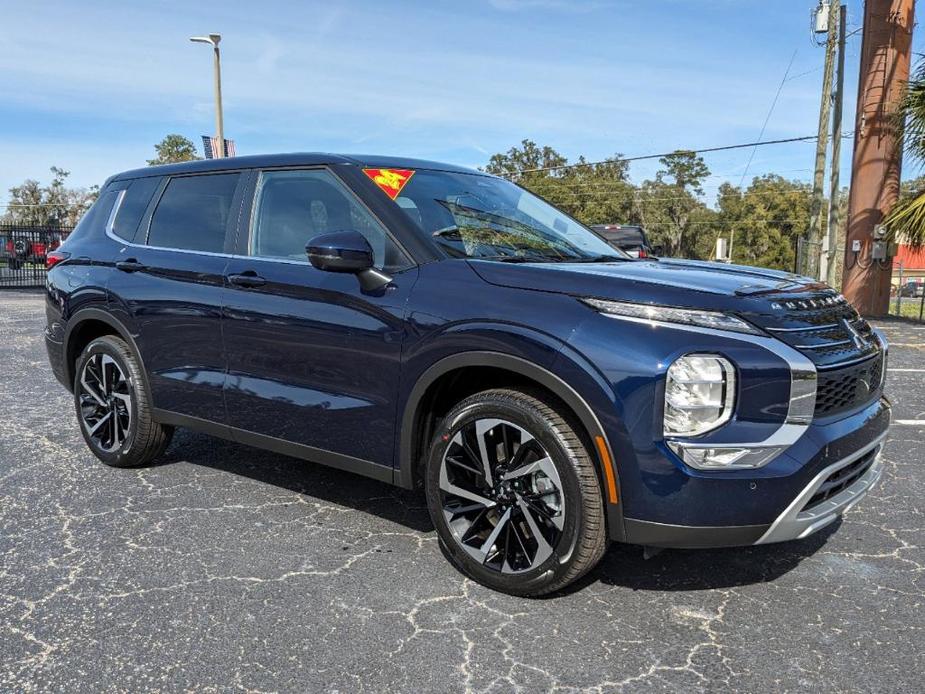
[436, 327]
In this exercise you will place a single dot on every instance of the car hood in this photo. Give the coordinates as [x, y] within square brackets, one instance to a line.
[689, 283]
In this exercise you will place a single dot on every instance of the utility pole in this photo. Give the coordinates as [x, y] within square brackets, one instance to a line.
[876, 167]
[813, 245]
[212, 40]
[834, 192]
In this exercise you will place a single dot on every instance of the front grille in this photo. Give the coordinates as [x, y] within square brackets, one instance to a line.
[841, 479]
[840, 390]
[825, 328]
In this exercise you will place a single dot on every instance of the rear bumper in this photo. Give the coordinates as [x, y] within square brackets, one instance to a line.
[55, 351]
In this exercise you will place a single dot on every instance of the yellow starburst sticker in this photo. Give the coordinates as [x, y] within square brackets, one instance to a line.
[390, 181]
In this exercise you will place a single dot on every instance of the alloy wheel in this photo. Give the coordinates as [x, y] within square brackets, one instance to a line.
[502, 496]
[105, 402]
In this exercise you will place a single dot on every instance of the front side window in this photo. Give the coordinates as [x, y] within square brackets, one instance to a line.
[476, 216]
[292, 207]
[194, 213]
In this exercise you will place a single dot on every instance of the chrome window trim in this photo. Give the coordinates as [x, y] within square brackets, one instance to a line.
[110, 223]
[115, 237]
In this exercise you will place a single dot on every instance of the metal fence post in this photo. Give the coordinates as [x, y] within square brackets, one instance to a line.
[899, 291]
[921, 306]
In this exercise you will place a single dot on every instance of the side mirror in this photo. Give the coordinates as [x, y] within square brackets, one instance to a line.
[340, 251]
[346, 252]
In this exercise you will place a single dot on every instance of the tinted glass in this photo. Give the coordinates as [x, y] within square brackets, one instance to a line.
[97, 216]
[295, 206]
[193, 213]
[134, 203]
[475, 216]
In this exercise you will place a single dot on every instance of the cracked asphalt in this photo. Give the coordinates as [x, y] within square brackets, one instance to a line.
[225, 568]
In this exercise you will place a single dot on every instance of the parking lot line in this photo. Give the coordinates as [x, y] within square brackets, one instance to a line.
[910, 422]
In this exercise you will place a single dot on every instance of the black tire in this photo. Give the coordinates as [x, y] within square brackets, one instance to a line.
[139, 439]
[582, 539]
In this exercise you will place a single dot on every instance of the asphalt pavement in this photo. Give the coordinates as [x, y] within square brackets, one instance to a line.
[224, 568]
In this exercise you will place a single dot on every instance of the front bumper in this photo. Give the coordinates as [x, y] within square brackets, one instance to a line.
[797, 521]
[831, 492]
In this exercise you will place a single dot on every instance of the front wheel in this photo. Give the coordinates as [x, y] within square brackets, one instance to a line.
[514, 494]
[114, 407]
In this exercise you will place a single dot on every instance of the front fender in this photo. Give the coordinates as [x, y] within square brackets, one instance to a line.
[558, 369]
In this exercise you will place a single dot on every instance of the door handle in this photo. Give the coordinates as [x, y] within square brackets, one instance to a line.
[247, 279]
[130, 265]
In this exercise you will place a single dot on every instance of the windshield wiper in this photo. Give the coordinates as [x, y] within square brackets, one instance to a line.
[596, 259]
[506, 258]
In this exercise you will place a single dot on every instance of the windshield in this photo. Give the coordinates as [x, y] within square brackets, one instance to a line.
[474, 216]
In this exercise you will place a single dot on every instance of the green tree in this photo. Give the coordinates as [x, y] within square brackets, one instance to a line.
[527, 162]
[670, 208]
[172, 149]
[33, 204]
[766, 219]
[593, 193]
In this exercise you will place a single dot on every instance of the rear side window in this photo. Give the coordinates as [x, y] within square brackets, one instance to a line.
[194, 213]
[133, 206]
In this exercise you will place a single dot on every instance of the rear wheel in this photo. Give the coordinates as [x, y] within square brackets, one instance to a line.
[514, 494]
[113, 406]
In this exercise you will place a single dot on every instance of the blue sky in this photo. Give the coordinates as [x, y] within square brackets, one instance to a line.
[91, 86]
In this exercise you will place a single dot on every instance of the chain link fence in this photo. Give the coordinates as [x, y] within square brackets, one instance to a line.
[23, 252]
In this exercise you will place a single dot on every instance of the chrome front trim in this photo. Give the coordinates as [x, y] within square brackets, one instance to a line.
[802, 384]
[795, 523]
[809, 329]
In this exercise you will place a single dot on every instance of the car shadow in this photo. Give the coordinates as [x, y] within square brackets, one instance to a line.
[703, 569]
[321, 483]
[622, 565]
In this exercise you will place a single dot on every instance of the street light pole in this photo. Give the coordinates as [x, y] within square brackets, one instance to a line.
[213, 40]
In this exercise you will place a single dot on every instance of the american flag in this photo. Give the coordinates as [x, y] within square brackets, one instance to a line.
[210, 146]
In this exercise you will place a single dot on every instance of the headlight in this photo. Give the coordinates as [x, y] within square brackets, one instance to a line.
[699, 394]
[668, 314]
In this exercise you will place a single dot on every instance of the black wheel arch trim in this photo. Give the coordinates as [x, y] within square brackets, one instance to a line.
[98, 314]
[404, 472]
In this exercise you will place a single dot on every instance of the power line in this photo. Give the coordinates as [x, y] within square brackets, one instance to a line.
[767, 119]
[805, 138]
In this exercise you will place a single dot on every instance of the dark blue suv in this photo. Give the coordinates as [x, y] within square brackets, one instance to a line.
[431, 326]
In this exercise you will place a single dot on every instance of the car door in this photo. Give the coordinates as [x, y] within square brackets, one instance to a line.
[167, 287]
[313, 361]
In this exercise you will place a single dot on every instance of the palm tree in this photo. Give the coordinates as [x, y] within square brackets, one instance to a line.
[908, 215]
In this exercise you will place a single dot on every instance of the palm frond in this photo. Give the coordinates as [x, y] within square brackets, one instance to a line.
[910, 115]
[906, 220]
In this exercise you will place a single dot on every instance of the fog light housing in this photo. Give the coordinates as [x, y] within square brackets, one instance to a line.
[725, 457]
[699, 394]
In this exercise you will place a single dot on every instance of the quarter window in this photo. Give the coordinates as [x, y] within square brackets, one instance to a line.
[132, 208]
[293, 207]
[96, 217]
[194, 213]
